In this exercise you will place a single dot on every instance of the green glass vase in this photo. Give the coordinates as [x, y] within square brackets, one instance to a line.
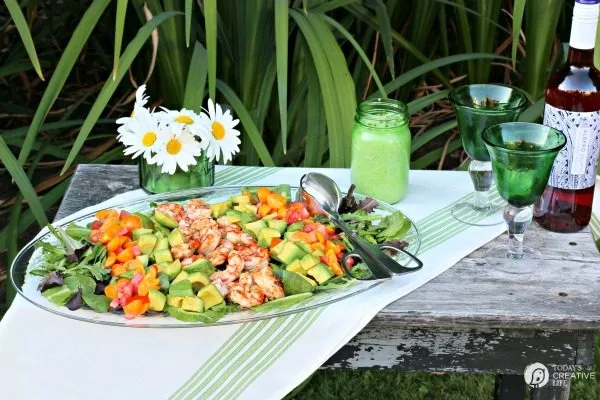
[200, 175]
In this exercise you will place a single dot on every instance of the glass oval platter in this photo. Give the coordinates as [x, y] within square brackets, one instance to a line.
[30, 258]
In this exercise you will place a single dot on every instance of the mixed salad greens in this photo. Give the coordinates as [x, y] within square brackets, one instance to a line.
[197, 262]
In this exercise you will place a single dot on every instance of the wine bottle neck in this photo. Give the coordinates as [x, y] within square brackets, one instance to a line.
[580, 58]
[583, 26]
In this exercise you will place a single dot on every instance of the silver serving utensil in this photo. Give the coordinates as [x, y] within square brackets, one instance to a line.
[322, 195]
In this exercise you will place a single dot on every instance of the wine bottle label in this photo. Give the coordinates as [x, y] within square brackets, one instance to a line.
[575, 165]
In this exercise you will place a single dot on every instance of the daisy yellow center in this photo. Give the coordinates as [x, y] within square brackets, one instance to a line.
[184, 119]
[218, 130]
[173, 146]
[149, 138]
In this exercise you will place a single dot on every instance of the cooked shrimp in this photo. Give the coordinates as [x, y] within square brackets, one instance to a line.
[268, 283]
[219, 255]
[222, 286]
[173, 210]
[255, 262]
[232, 271]
[239, 237]
[245, 292]
[180, 251]
[198, 209]
[224, 222]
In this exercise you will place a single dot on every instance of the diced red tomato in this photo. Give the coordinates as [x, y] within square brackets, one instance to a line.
[123, 214]
[297, 212]
[96, 224]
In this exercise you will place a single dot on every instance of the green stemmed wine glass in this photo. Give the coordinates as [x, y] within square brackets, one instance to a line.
[478, 107]
[522, 156]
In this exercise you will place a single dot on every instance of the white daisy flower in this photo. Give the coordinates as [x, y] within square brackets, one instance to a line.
[141, 99]
[176, 150]
[217, 133]
[181, 119]
[140, 135]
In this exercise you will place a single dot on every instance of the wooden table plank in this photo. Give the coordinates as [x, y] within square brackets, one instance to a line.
[563, 294]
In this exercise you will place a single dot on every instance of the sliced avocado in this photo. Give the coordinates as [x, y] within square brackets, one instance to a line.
[246, 208]
[165, 220]
[199, 280]
[185, 316]
[219, 209]
[170, 269]
[210, 295]
[268, 233]
[318, 253]
[175, 237]
[296, 267]
[264, 242]
[255, 227]
[192, 304]
[277, 224]
[321, 273]
[296, 226]
[289, 253]
[160, 230]
[294, 283]
[157, 299]
[58, 295]
[241, 217]
[164, 281]
[147, 243]
[174, 301]
[241, 199]
[270, 216]
[202, 265]
[309, 261]
[180, 277]
[278, 248]
[161, 244]
[137, 233]
[144, 259]
[146, 221]
[303, 246]
[181, 288]
[163, 256]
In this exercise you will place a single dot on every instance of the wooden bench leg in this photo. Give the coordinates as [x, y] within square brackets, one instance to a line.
[509, 387]
[551, 393]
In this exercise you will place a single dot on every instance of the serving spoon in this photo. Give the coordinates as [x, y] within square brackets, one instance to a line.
[323, 196]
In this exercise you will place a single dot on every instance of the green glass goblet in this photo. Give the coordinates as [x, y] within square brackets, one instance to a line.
[522, 156]
[478, 107]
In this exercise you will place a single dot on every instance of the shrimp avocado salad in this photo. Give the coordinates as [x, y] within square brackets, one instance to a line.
[197, 262]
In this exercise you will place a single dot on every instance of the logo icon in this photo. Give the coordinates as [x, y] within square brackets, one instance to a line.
[536, 375]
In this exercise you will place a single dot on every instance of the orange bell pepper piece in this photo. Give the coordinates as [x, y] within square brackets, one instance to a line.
[134, 265]
[264, 210]
[276, 201]
[131, 222]
[126, 255]
[335, 267]
[263, 193]
[318, 246]
[275, 241]
[282, 212]
[320, 237]
[118, 269]
[111, 258]
[107, 214]
[111, 291]
[137, 306]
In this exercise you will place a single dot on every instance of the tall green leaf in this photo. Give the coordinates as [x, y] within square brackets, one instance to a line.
[61, 72]
[533, 112]
[110, 86]
[432, 65]
[385, 29]
[119, 25]
[359, 50]
[188, 21]
[518, 11]
[16, 172]
[541, 19]
[19, 19]
[422, 102]
[196, 79]
[210, 21]
[247, 122]
[281, 49]
[431, 134]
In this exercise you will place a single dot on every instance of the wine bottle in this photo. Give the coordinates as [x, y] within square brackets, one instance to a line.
[573, 107]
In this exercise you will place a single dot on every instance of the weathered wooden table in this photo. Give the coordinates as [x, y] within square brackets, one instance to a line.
[469, 319]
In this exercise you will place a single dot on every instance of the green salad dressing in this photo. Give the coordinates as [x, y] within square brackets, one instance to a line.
[381, 143]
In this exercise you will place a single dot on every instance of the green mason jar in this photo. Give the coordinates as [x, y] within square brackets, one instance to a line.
[381, 149]
[200, 175]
